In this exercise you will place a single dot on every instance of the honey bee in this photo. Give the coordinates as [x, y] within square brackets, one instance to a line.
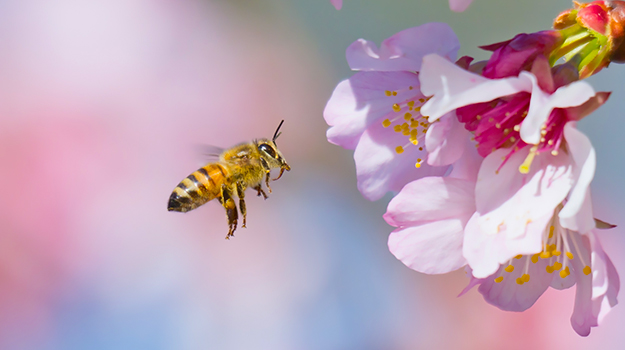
[242, 166]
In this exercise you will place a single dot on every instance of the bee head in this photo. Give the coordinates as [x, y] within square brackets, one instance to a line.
[270, 155]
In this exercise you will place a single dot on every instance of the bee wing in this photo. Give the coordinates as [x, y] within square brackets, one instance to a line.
[209, 152]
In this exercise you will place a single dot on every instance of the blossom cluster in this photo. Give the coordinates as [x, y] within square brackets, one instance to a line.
[489, 170]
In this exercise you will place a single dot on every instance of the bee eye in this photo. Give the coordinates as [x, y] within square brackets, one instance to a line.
[267, 149]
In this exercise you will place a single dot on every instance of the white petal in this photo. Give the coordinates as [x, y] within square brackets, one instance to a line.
[577, 213]
[542, 103]
[452, 87]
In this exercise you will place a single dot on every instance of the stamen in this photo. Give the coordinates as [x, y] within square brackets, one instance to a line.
[525, 167]
[525, 277]
[387, 93]
[499, 279]
[509, 268]
[386, 123]
[587, 270]
[396, 107]
[399, 149]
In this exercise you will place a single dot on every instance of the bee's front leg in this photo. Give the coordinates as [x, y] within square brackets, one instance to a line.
[267, 181]
[231, 210]
[241, 195]
[260, 191]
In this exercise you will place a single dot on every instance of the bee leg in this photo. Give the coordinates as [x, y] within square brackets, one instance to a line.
[241, 195]
[231, 210]
[267, 181]
[260, 191]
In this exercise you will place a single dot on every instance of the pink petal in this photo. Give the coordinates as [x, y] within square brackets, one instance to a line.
[433, 247]
[361, 100]
[486, 252]
[468, 166]
[380, 169]
[452, 87]
[338, 4]
[431, 199]
[542, 103]
[513, 209]
[445, 140]
[459, 5]
[431, 214]
[509, 295]
[404, 51]
[596, 293]
[577, 213]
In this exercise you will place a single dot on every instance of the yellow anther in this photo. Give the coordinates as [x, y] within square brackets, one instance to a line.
[422, 100]
[394, 93]
[525, 277]
[418, 165]
[410, 88]
[414, 141]
[418, 109]
[543, 132]
[556, 253]
[490, 120]
[397, 128]
[387, 93]
[507, 114]
[420, 148]
[478, 117]
[513, 139]
[407, 116]
[551, 229]
[525, 167]
[517, 128]
[399, 149]
[519, 281]
[565, 272]
[554, 153]
[499, 279]
[550, 142]
[545, 255]
[414, 132]
[587, 270]
[549, 269]
[410, 103]
[518, 256]
[406, 132]
[419, 160]
[386, 123]
[557, 266]
[498, 126]
[414, 124]
[551, 247]
[396, 107]
[509, 268]
[569, 255]
[506, 131]
[405, 126]
[535, 258]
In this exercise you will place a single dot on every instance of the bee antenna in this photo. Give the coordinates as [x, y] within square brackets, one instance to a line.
[275, 136]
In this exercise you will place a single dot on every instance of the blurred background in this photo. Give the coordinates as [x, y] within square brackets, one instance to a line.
[102, 106]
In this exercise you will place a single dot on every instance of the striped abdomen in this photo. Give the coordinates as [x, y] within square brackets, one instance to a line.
[198, 188]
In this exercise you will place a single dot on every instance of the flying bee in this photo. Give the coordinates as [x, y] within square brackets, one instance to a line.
[242, 166]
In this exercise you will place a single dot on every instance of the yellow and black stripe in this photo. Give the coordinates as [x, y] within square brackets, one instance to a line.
[198, 188]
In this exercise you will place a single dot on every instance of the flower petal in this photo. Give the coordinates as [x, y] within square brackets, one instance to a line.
[404, 51]
[459, 5]
[596, 293]
[431, 213]
[445, 140]
[431, 199]
[361, 100]
[433, 247]
[513, 209]
[381, 169]
[577, 213]
[452, 87]
[542, 103]
[508, 294]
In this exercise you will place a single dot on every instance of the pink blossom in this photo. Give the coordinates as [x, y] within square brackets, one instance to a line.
[377, 111]
[338, 4]
[569, 259]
